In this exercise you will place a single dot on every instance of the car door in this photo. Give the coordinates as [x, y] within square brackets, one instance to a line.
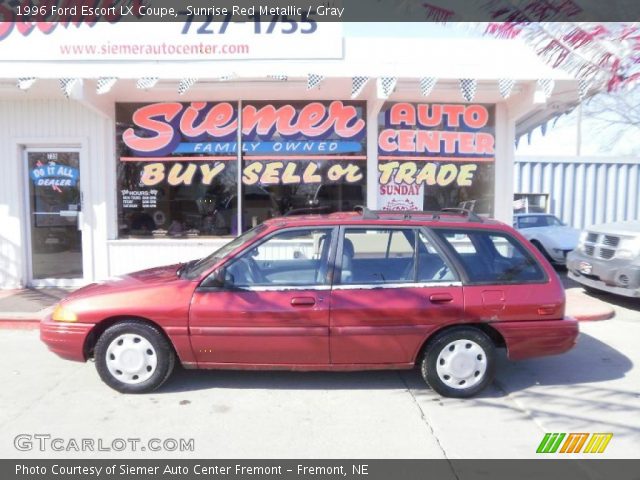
[392, 288]
[269, 305]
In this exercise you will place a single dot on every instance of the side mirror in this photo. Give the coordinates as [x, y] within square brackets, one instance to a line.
[221, 278]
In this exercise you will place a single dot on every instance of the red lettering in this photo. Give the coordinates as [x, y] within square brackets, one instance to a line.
[386, 140]
[453, 113]
[427, 141]
[484, 143]
[144, 118]
[476, 116]
[402, 113]
[218, 122]
[427, 119]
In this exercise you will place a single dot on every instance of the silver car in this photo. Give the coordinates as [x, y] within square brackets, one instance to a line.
[608, 259]
[549, 235]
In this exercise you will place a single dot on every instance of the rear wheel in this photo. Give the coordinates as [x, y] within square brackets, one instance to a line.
[133, 357]
[459, 362]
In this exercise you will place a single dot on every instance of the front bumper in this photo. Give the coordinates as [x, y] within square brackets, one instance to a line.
[538, 338]
[617, 276]
[65, 339]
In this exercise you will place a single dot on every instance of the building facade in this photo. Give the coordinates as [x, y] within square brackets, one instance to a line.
[155, 162]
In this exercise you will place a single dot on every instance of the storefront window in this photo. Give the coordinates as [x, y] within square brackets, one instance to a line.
[177, 169]
[302, 158]
[177, 164]
[434, 156]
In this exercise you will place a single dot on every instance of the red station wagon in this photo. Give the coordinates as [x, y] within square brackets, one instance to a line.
[347, 291]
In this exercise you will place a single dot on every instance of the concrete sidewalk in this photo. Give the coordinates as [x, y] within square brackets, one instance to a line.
[25, 308]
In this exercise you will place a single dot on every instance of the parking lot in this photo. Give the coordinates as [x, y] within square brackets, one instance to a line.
[593, 388]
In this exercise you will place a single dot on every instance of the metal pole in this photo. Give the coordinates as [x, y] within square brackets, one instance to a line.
[239, 160]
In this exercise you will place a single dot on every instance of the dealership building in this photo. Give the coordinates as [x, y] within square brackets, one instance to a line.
[119, 154]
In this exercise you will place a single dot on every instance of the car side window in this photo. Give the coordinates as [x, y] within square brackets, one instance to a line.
[373, 256]
[492, 257]
[289, 259]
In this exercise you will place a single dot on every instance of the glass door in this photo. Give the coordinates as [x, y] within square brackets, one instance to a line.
[55, 214]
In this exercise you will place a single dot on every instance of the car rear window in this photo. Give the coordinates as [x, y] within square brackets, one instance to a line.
[492, 257]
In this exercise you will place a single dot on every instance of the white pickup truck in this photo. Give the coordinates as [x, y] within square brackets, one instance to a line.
[608, 259]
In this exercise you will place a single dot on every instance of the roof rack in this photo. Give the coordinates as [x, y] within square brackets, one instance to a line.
[472, 216]
[368, 214]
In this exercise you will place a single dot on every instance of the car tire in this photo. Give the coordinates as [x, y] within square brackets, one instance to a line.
[134, 357]
[459, 362]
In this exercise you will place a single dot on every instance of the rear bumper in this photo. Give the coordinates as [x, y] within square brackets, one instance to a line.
[538, 338]
[65, 339]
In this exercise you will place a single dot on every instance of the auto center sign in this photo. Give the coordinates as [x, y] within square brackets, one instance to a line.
[432, 146]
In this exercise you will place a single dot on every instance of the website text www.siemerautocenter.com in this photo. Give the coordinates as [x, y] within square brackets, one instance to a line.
[197, 469]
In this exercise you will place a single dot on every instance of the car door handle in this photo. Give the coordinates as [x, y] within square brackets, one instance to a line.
[303, 301]
[440, 298]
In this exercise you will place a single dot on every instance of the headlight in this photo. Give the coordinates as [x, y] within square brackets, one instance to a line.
[628, 248]
[63, 314]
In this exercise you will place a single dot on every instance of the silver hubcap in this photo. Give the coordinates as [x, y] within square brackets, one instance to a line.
[461, 364]
[131, 358]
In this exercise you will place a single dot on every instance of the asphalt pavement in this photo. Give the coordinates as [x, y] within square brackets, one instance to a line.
[593, 388]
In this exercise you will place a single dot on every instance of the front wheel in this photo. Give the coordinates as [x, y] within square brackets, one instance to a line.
[133, 357]
[459, 362]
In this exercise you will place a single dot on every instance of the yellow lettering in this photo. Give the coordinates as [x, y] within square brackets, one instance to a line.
[250, 173]
[270, 175]
[310, 175]
[289, 174]
[427, 174]
[406, 172]
[177, 176]
[447, 174]
[209, 172]
[386, 170]
[465, 177]
[152, 174]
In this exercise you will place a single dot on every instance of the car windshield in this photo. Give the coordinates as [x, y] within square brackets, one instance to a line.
[532, 221]
[202, 265]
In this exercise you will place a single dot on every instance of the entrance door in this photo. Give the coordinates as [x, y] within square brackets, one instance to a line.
[55, 218]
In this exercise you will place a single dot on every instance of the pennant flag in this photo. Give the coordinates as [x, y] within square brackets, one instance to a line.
[67, 84]
[104, 84]
[314, 80]
[505, 86]
[185, 84]
[546, 84]
[146, 83]
[280, 78]
[468, 88]
[357, 85]
[543, 128]
[583, 89]
[25, 83]
[386, 85]
[426, 85]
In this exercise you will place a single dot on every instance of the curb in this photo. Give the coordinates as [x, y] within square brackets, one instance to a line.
[19, 324]
[589, 309]
[22, 320]
[594, 317]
